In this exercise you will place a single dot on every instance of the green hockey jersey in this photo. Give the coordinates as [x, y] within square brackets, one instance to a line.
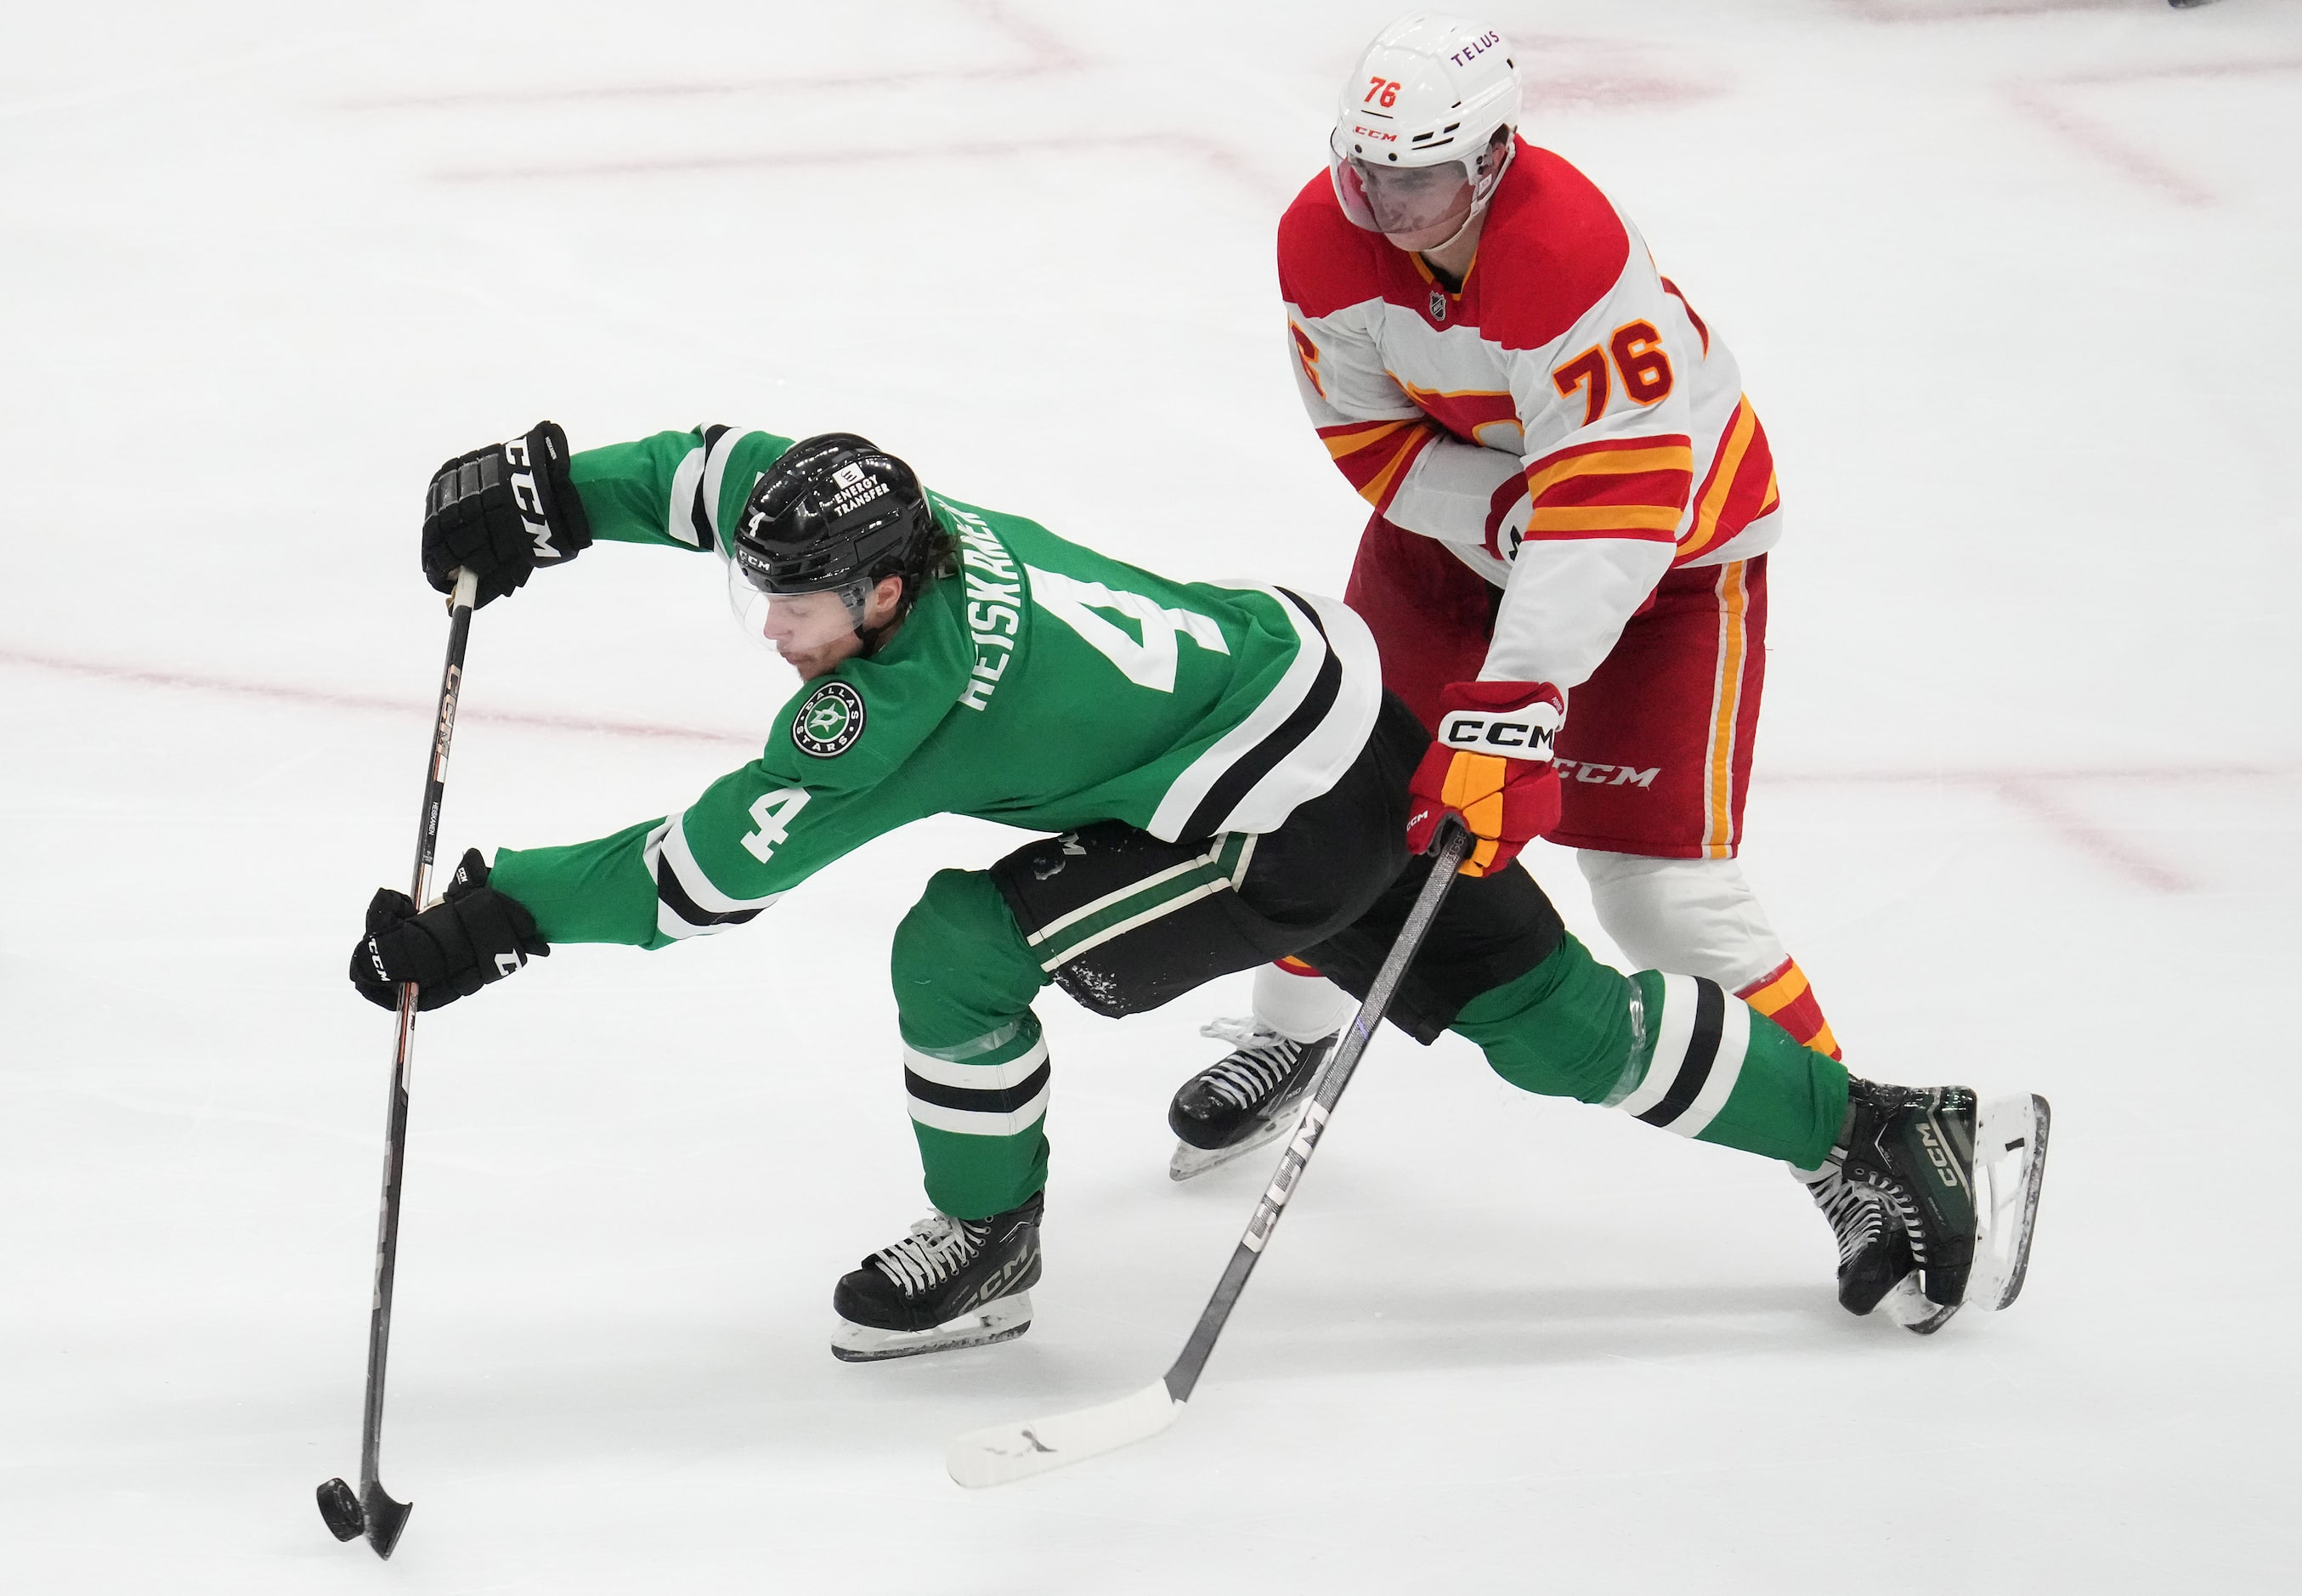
[1041, 684]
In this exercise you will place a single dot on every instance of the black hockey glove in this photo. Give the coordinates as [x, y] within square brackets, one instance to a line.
[500, 510]
[473, 935]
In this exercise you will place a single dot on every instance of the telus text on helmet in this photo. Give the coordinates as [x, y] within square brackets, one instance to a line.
[1477, 47]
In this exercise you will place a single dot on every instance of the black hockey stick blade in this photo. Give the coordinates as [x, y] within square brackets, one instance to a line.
[385, 1517]
[1000, 1453]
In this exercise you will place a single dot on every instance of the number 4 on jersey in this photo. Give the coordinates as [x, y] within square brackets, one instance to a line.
[773, 812]
[1150, 663]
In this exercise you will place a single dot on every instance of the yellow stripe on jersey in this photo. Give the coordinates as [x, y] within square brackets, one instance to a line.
[1726, 698]
[1377, 489]
[1737, 443]
[1604, 518]
[1351, 443]
[1613, 462]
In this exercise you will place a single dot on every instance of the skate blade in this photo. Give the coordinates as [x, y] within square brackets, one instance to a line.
[1001, 1319]
[2010, 1165]
[1909, 1307]
[1190, 1161]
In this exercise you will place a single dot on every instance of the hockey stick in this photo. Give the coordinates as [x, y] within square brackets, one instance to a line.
[373, 1513]
[1005, 1452]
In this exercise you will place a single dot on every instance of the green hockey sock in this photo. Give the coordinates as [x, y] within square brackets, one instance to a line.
[1711, 1067]
[975, 1066]
[1687, 1057]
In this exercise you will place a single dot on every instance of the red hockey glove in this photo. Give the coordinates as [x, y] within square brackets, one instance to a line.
[1491, 765]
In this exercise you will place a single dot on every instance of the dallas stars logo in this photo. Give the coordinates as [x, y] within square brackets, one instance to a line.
[828, 722]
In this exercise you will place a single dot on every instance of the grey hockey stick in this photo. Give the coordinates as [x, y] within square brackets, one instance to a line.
[1005, 1452]
[372, 1512]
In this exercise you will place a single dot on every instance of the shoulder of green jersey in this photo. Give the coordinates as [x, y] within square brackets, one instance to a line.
[693, 511]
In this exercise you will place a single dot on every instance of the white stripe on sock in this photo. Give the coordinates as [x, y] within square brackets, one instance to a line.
[1726, 1070]
[961, 1121]
[977, 1078]
[1674, 1027]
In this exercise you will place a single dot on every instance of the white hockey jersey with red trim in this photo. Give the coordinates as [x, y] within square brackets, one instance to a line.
[1565, 423]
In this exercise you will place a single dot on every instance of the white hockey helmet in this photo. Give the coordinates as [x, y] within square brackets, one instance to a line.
[1413, 155]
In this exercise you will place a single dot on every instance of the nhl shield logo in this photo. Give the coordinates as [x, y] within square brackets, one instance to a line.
[828, 722]
[1438, 306]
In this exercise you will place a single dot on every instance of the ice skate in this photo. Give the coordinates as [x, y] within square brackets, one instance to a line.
[1933, 1199]
[1875, 1268]
[950, 1283]
[1245, 1099]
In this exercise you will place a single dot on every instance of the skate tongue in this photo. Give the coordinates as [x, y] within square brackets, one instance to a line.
[1239, 1031]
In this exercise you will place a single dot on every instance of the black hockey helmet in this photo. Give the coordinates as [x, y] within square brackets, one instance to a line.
[836, 512]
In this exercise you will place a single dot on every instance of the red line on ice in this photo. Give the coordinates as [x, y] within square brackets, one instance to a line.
[369, 702]
[2034, 792]
[2028, 792]
[1209, 154]
[2137, 165]
[1044, 55]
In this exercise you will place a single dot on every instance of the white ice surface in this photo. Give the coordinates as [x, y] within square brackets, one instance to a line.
[2015, 286]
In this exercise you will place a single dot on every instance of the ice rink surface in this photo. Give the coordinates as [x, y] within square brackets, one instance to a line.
[2013, 284]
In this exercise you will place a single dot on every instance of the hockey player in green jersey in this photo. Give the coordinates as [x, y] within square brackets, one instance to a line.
[1220, 781]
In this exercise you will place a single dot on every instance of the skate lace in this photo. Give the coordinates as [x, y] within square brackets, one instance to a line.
[1875, 1177]
[1856, 1211]
[1260, 1061]
[938, 1248]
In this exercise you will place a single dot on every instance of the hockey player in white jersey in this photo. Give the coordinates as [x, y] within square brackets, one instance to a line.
[1574, 500]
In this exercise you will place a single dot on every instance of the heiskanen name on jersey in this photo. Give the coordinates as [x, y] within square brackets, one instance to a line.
[1048, 688]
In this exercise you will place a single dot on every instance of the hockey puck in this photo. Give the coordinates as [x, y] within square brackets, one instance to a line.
[342, 1511]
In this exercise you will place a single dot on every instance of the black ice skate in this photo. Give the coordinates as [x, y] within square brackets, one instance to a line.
[1873, 1255]
[1245, 1099]
[1957, 1181]
[951, 1282]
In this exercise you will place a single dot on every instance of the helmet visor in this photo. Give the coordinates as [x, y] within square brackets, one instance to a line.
[1426, 203]
[796, 624]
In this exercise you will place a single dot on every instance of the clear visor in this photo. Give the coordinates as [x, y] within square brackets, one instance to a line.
[1429, 204]
[795, 624]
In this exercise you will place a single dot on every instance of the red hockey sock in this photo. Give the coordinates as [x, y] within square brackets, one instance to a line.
[1784, 997]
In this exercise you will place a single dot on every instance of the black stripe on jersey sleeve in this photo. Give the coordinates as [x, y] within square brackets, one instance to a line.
[673, 897]
[1259, 761]
[979, 1100]
[1702, 1053]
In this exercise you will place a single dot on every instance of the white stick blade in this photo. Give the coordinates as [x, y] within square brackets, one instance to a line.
[1005, 1452]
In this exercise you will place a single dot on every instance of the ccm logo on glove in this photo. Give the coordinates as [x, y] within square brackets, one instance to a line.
[529, 500]
[497, 512]
[1529, 733]
[1492, 766]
